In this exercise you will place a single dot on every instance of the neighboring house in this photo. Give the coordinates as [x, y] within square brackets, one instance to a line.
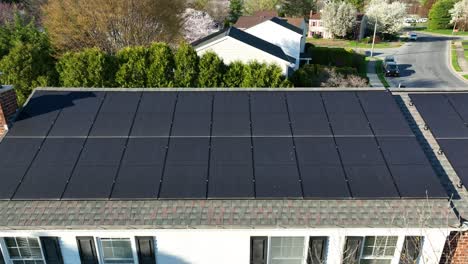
[233, 44]
[316, 26]
[284, 35]
[234, 176]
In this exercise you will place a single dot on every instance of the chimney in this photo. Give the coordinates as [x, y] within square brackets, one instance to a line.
[8, 107]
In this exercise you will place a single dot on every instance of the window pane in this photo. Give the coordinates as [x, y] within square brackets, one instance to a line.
[287, 250]
[10, 241]
[14, 252]
[117, 250]
[18, 262]
[375, 261]
[411, 249]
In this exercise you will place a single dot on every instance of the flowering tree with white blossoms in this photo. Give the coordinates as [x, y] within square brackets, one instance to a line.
[459, 13]
[389, 16]
[338, 17]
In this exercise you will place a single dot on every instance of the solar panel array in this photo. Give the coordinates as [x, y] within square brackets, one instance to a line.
[213, 145]
[447, 117]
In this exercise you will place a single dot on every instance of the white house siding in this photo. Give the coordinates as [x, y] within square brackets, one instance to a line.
[286, 39]
[215, 246]
[230, 50]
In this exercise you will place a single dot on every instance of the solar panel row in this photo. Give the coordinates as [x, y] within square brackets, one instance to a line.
[192, 145]
[447, 117]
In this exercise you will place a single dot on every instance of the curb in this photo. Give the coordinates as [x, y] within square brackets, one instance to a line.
[449, 61]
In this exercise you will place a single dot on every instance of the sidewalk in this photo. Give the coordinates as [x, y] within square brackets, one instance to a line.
[461, 56]
[374, 80]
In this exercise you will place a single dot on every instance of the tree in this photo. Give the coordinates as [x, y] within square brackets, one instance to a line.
[186, 69]
[27, 66]
[298, 8]
[236, 8]
[234, 75]
[133, 65]
[88, 68]
[258, 74]
[439, 15]
[459, 14]
[211, 69]
[338, 17]
[389, 16]
[26, 59]
[198, 24]
[161, 66]
[251, 6]
[358, 4]
[112, 25]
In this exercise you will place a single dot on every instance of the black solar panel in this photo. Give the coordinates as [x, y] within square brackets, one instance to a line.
[459, 102]
[215, 145]
[186, 170]
[76, 120]
[141, 169]
[154, 115]
[231, 169]
[51, 169]
[231, 115]
[350, 124]
[324, 182]
[371, 182]
[456, 151]
[193, 115]
[116, 115]
[17, 155]
[415, 181]
[359, 151]
[96, 170]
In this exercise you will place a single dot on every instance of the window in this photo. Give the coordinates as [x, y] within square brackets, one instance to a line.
[378, 249]
[286, 250]
[316, 250]
[411, 251]
[116, 250]
[24, 250]
[313, 24]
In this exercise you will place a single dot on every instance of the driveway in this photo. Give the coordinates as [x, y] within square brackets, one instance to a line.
[424, 64]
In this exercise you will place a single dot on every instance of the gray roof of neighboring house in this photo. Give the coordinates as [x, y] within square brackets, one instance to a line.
[248, 39]
[284, 213]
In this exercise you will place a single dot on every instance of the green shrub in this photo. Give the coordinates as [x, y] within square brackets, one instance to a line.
[262, 75]
[133, 66]
[234, 75]
[338, 57]
[211, 69]
[88, 68]
[161, 66]
[186, 69]
[439, 16]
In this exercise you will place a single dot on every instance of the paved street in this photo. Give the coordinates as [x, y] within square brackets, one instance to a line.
[424, 64]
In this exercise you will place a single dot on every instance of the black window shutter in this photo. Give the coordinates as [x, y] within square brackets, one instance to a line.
[411, 249]
[316, 250]
[145, 249]
[87, 250]
[352, 251]
[51, 250]
[2, 260]
[258, 250]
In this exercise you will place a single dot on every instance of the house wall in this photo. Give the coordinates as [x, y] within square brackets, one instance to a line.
[8, 106]
[231, 50]
[288, 40]
[318, 28]
[232, 246]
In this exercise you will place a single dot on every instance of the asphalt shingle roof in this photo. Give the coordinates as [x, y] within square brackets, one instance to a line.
[246, 38]
[249, 213]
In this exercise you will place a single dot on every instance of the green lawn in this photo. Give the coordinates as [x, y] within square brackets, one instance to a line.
[440, 31]
[342, 43]
[380, 73]
[466, 76]
[455, 60]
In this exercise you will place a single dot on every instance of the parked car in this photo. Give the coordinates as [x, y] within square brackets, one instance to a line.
[388, 59]
[391, 69]
[413, 36]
